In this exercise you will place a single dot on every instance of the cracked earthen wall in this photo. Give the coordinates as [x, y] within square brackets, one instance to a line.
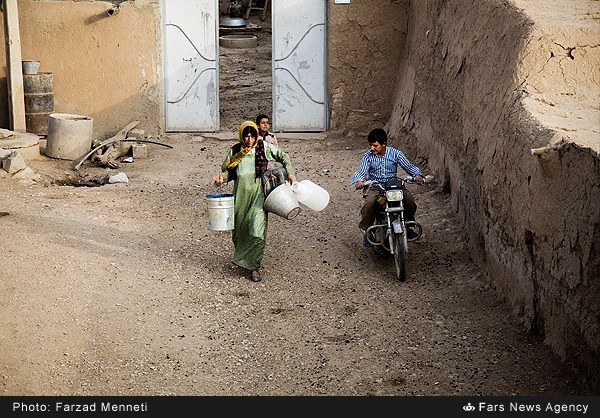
[366, 41]
[482, 84]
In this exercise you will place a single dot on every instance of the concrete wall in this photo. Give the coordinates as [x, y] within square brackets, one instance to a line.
[469, 103]
[106, 67]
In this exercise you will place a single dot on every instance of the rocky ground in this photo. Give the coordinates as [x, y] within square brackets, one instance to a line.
[122, 290]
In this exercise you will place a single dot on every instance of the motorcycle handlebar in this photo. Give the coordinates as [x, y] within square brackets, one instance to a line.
[408, 179]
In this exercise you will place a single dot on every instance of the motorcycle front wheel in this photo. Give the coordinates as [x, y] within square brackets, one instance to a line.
[400, 257]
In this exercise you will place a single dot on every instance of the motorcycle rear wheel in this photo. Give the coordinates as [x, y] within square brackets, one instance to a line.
[400, 257]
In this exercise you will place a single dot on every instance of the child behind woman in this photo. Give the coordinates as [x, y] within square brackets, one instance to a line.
[264, 124]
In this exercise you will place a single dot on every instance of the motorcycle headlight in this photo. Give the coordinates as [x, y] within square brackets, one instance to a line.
[394, 195]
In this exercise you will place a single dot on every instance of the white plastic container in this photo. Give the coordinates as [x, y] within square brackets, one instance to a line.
[220, 211]
[282, 201]
[311, 195]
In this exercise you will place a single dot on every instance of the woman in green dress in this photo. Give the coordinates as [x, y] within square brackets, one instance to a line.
[245, 163]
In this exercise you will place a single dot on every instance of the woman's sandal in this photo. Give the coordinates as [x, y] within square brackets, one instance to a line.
[255, 276]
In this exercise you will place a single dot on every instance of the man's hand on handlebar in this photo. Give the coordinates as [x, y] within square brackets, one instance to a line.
[419, 179]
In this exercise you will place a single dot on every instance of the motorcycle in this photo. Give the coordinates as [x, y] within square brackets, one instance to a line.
[389, 233]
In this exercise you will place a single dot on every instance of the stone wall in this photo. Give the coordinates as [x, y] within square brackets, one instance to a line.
[469, 105]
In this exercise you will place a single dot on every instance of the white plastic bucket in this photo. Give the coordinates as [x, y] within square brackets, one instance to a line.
[311, 194]
[282, 201]
[220, 211]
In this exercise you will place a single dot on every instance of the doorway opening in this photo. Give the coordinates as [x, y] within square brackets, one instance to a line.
[245, 73]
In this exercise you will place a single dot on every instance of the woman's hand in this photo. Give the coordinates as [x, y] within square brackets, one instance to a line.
[218, 180]
[292, 178]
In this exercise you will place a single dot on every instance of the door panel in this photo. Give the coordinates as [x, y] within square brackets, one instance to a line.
[299, 65]
[191, 62]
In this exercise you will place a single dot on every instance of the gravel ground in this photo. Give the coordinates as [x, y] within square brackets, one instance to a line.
[122, 290]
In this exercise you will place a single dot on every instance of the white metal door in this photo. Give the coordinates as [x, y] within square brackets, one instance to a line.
[191, 62]
[299, 65]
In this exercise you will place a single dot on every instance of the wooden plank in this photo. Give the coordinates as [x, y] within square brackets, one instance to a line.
[14, 76]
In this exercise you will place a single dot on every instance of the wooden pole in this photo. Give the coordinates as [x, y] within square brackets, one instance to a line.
[14, 76]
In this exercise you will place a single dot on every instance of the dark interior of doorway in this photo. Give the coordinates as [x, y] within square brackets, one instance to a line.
[245, 87]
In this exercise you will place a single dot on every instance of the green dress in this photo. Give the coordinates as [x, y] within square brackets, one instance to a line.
[250, 219]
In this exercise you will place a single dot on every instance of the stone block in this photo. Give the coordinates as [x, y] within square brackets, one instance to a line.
[13, 163]
[136, 134]
[139, 151]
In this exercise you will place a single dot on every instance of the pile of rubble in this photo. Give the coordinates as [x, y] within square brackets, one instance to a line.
[16, 148]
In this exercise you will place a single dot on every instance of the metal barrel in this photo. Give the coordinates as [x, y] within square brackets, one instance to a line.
[39, 101]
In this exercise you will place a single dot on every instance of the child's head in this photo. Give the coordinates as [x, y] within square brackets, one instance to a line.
[377, 135]
[263, 122]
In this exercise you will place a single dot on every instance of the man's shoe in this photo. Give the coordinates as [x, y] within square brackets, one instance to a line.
[366, 242]
[255, 276]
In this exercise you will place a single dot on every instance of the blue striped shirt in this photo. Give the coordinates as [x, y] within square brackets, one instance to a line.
[376, 168]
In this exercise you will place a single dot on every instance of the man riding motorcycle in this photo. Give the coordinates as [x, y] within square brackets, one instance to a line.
[378, 164]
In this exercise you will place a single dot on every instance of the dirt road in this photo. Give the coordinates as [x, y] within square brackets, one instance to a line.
[122, 290]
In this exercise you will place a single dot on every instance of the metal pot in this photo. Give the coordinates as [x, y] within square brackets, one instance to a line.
[233, 22]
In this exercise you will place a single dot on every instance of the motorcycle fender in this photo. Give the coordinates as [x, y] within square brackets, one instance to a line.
[397, 224]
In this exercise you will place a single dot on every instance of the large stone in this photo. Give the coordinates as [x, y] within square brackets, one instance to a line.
[13, 163]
